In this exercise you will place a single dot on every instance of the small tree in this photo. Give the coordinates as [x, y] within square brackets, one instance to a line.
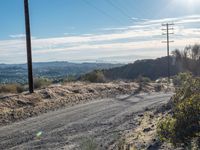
[188, 59]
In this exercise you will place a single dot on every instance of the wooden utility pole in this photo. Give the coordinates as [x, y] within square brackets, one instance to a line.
[167, 32]
[28, 44]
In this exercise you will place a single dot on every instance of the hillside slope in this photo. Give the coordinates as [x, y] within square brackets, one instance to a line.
[152, 68]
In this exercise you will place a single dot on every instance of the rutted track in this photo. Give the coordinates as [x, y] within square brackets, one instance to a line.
[102, 120]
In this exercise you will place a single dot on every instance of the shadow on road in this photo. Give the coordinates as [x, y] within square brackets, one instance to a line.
[135, 94]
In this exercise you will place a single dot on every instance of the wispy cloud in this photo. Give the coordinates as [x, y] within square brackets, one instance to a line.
[142, 39]
[17, 36]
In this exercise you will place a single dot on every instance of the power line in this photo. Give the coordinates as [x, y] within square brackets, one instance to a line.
[167, 31]
[103, 12]
[129, 5]
[119, 9]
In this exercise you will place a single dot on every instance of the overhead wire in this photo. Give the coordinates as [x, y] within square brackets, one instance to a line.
[102, 11]
[129, 4]
[114, 5]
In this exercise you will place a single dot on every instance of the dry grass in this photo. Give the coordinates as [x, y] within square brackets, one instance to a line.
[11, 88]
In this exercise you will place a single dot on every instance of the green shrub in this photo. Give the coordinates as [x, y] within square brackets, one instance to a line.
[179, 79]
[184, 123]
[41, 82]
[142, 79]
[166, 129]
[96, 76]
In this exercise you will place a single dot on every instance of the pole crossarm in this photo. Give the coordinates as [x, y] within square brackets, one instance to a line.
[170, 24]
[168, 29]
[167, 41]
[168, 33]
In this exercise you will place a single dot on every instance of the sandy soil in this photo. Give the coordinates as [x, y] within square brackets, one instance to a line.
[144, 136]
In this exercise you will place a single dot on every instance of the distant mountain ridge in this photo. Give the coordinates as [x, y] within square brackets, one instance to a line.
[152, 68]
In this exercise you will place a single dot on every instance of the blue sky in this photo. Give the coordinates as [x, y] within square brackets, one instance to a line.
[95, 30]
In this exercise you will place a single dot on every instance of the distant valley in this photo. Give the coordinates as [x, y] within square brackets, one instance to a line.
[17, 73]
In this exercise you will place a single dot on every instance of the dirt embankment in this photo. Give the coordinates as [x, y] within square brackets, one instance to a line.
[22, 106]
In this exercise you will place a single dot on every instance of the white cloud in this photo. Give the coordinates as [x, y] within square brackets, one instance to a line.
[143, 38]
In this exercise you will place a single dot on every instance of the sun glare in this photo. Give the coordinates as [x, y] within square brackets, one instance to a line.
[188, 4]
[192, 2]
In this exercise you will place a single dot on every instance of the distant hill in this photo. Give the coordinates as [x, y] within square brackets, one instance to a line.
[152, 68]
[12, 73]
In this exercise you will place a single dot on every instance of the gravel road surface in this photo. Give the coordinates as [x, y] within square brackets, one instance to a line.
[100, 122]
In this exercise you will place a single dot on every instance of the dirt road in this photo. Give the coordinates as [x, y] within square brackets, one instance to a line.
[101, 121]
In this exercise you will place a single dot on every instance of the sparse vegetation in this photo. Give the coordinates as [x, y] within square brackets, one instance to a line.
[88, 144]
[11, 88]
[183, 124]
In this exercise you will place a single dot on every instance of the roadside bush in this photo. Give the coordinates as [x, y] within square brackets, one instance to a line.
[179, 79]
[96, 76]
[158, 88]
[142, 79]
[11, 88]
[41, 82]
[62, 80]
[166, 129]
[70, 78]
[20, 88]
[183, 125]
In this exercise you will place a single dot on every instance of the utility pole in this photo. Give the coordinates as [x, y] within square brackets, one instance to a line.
[166, 30]
[28, 44]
